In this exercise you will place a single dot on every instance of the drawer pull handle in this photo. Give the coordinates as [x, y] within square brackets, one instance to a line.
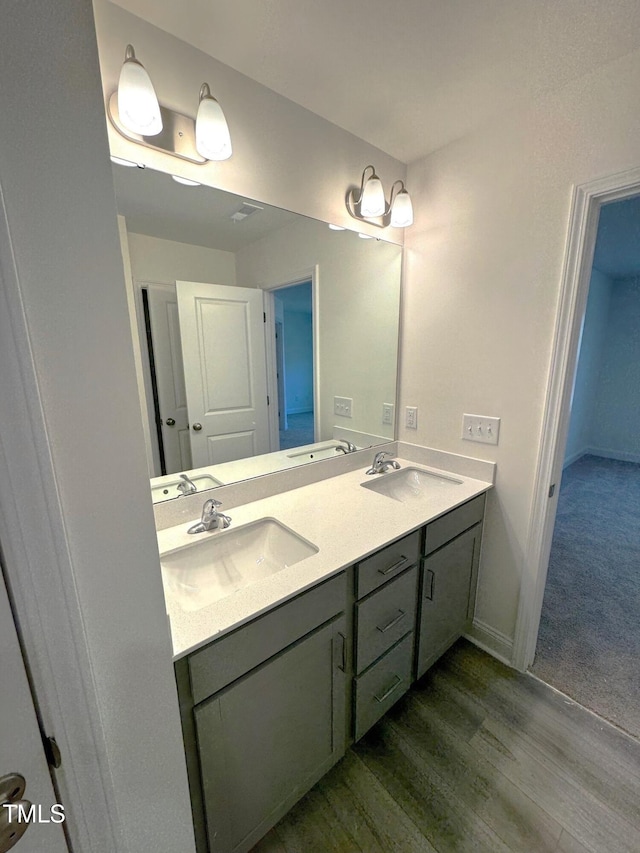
[394, 621]
[393, 567]
[389, 690]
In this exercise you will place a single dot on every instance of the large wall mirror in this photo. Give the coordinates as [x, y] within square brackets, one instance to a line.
[268, 339]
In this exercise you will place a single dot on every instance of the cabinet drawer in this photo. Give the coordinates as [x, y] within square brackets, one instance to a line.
[453, 523]
[382, 685]
[387, 563]
[384, 617]
[224, 660]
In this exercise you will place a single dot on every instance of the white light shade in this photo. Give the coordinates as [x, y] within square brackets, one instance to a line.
[138, 105]
[402, 210]
[213, 140]
[373, 202]
[185, 181]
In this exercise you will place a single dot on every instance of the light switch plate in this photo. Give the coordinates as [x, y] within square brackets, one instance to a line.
[480, 428]
[343, 407]
[387, 413]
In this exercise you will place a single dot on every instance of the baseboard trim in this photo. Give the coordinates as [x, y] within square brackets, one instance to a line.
[620, 455]
[492, 641]
[574, 458]
[305, 410]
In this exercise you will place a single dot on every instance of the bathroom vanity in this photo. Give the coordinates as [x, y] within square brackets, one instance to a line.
[271, 695]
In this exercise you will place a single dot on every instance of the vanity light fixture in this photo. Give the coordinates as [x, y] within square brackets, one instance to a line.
[138, 105]
[135, 112]
[336, 227]
[370, 205]
[212, 131]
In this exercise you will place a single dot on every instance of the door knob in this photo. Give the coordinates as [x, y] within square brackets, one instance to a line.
[170, 422]
[11, 829]
[197, 427]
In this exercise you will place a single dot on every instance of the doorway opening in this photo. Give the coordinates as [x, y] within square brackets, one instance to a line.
[294, 363]
[589, 649]
[587, 203]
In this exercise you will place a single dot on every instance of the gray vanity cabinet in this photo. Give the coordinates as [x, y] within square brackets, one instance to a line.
[267, 739]
[385, 619]
[449, 570]
[257, 743]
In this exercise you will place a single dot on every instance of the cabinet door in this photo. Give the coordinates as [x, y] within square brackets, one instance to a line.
[447, 596]
[270, 736]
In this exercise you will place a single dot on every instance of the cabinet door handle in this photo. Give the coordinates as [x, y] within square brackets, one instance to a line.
[394, 621]
[389, 690]
[429, 583]
[393, 567]
[341, 652]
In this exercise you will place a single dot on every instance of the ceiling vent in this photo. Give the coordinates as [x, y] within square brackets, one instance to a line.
[246, 210]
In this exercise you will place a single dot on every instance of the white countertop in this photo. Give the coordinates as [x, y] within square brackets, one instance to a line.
[344, 521]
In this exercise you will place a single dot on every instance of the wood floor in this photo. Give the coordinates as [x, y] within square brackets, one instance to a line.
[475, 758]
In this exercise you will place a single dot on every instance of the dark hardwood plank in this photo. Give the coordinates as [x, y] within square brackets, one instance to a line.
[520, 822]
[591, 752]
[568, 844]
[588, 819]
[477, 758]
[432, 804]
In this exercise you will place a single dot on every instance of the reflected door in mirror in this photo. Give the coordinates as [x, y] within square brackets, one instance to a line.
[223, 349]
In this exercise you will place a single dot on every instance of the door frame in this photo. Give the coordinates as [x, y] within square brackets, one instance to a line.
[586, 202]
[40, 580]
[309, 274]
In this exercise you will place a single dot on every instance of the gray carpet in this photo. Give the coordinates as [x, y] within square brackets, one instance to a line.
[589, 641]
[300, 431]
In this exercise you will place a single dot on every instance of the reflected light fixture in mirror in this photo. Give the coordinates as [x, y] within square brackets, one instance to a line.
[370, 205]
[135, 112]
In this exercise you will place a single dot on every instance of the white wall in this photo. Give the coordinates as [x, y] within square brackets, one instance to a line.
[357, 290]
[594, 331]
[158, 260]
[64, 277]
[615, 430]
[483, 272]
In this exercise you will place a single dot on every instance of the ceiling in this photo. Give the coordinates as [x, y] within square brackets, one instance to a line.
[407, 76]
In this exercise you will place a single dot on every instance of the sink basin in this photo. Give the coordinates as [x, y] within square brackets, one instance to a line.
[221, 562]
[409, 484]
[169, 488]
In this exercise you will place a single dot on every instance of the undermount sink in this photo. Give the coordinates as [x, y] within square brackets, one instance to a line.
[169, 488]
[409, 484]
[221, 562]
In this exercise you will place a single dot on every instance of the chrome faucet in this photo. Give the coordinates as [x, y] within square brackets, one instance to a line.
[187, 487]
[211, 518]
[382, 461]
[349, 447]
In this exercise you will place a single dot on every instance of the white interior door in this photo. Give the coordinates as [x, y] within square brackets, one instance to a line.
[223, 349]
[21, 750]
[169, 371]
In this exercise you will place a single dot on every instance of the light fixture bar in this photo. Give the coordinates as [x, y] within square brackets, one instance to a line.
[398, 212]
[177, 137]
